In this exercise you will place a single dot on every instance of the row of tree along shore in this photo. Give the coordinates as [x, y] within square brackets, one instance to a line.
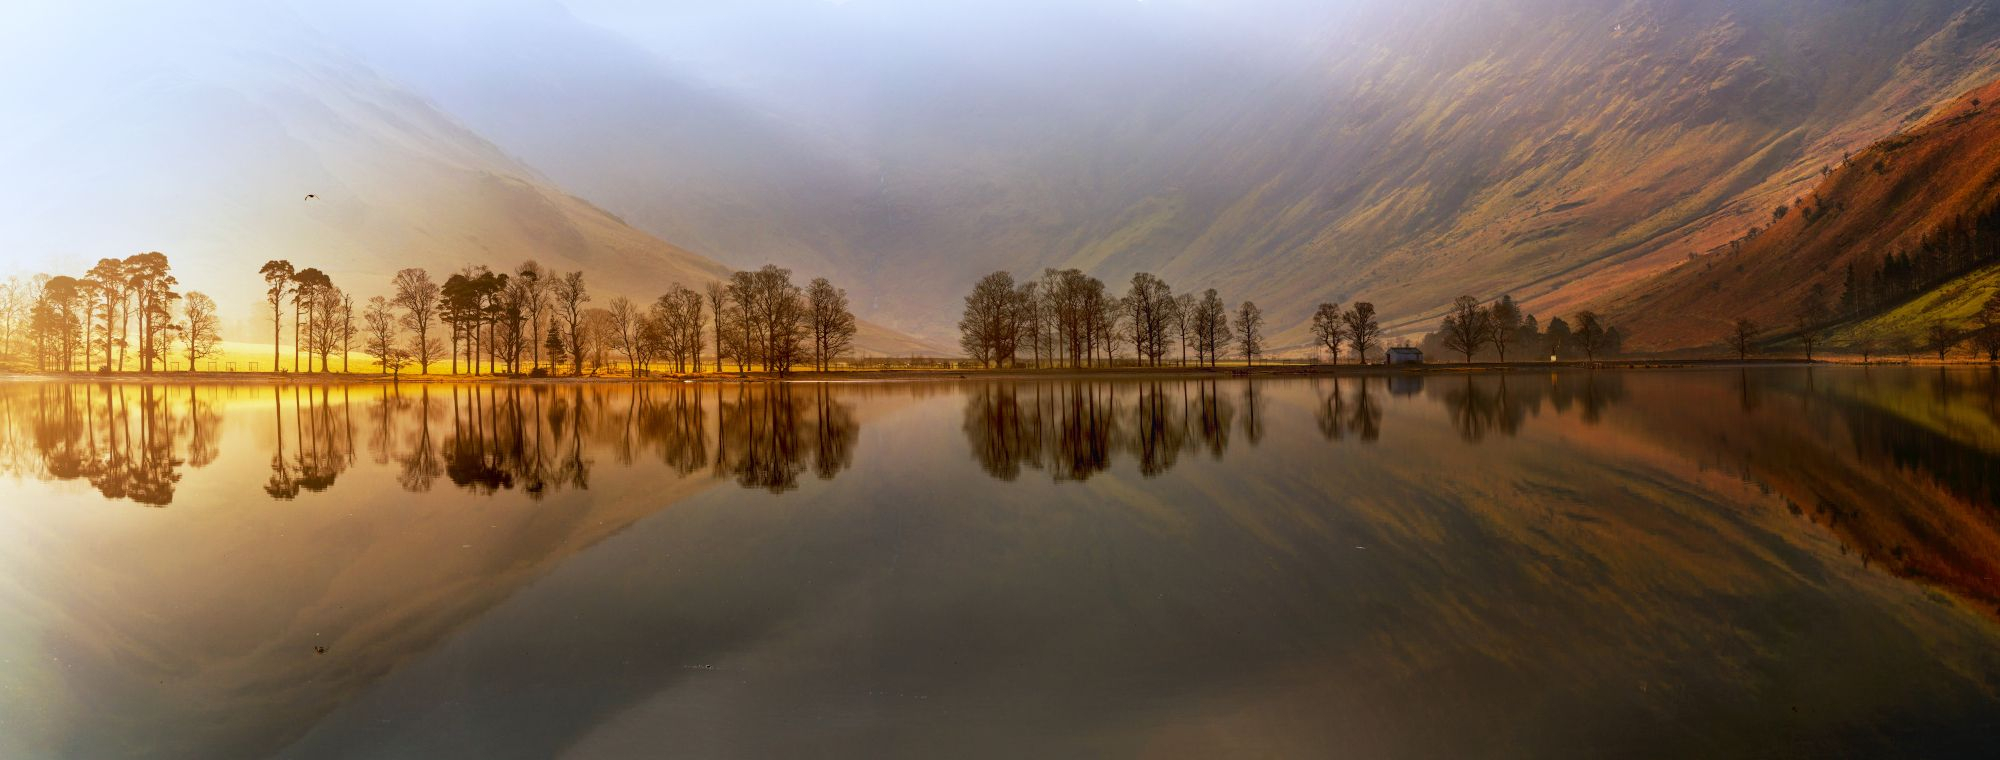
[1070, 319]
[534, 321]
[121, 313]
[125, 314]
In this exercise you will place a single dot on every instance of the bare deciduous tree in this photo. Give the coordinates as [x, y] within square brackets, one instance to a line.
[625, 329]
[833, 325]
[1186, 308]
[988, 329]
[1467, 327]
[773, 314]
[531, 284]
[1940, 337]
[1148, 306]
[1590, 335]
[379, 331]
[200, 332]
[1363, 332]
[1328, 329]
[570, 295]
[678, 314]
[1250, 332]
[718, 300]
[417, 296]
[1211, 326]
[1742, 337]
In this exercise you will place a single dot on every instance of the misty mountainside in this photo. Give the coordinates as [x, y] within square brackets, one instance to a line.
[1904, 233]
[207, 147]
[1404, 153]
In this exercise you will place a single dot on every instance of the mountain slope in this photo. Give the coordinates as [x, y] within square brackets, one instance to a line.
[1888, 199]
[1290, 153]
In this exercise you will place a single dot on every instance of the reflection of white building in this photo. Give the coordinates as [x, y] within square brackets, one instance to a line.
[1406, 355]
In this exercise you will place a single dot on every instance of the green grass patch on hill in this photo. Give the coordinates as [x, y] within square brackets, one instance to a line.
[1955, 302]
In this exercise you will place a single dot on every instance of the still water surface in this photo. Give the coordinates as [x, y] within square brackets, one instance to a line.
[1711, 563]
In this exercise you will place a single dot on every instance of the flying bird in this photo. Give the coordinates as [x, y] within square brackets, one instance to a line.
[310, 196]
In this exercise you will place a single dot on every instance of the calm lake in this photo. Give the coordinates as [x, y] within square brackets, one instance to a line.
[1674, 563]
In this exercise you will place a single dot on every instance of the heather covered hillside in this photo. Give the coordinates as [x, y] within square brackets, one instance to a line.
[1892, 239]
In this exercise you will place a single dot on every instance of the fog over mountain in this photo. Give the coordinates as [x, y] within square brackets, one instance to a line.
[1287, 152]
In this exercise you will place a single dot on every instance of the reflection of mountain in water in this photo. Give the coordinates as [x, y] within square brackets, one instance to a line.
[1903, 466]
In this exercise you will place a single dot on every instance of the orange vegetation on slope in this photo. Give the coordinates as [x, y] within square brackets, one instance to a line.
[1884, 199]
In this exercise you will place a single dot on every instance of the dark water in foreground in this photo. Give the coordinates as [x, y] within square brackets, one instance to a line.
[1773, 562]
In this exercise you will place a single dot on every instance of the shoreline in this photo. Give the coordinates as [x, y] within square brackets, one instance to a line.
[928, 374]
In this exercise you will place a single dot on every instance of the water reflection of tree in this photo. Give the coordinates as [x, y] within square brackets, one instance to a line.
[321, 443]
[497, 438]
[673, 421]
[324, 447]
[129, 442]
[475, 454]
[1214, 417]
[767, 434]
[1481, 406]
[202, 427]
[418, 467]
[1348, 407]
[118, 439]
[1073, 430]
[137, 460]
[543, 439]
[1253, 406]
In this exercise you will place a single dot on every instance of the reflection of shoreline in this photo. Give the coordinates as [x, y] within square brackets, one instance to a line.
[1075, 429]
[1163, 373]
[132, 441]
